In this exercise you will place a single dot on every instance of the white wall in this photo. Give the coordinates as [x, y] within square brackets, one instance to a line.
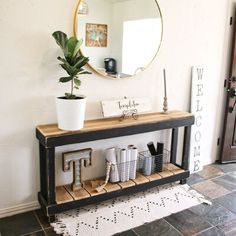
[195, 32]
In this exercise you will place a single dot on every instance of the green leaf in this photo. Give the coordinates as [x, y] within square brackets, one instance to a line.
[77, 47]
[76, 87]
[65, 79]
[77, 82]
[62, 59]
[61, 40]
[71, 45]
[67, 68]
[81, 61]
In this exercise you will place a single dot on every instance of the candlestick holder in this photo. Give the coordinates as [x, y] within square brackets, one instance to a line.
[165, 105]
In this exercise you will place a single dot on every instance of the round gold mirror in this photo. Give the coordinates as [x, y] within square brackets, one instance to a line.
[121, 37]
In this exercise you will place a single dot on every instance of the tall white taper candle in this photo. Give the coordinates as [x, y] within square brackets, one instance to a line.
[164, 73]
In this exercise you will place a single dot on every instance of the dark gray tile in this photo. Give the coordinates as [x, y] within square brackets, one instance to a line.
[228, 201]
[159, 227]
[210, 171]
[226, 181]
[42, 218]
[126, 233]
[210, 189]
[229, 228]
[194, 178]
[211, 232]
[39, 233]
[226, 168]
[188, 223]
[214, 213]
[19, 224]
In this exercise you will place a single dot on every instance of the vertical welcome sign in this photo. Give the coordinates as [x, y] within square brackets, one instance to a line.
[197, 109]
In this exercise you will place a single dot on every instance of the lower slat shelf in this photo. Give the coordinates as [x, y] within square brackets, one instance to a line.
[65, 194]
[58, 208]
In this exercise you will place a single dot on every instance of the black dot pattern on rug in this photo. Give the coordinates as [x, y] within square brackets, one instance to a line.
[140, 208]
[163, 202]
[148, 207]
[77, 229]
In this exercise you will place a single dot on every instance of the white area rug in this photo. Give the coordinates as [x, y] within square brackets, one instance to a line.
[123, 213]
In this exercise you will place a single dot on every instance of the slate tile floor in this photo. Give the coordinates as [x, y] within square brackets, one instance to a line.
[217, 182]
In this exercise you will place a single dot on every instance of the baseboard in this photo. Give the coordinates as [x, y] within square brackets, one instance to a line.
[18, 209]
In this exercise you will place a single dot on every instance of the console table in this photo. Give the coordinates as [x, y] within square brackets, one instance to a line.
[54, 199]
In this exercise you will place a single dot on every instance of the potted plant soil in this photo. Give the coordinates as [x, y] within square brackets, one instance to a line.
[71, 107]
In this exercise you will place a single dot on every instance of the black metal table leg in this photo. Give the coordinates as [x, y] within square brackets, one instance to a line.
[51, 218]
[43, 174]
[174, 143]
[186, 149]
[47, 175]
[50, 170]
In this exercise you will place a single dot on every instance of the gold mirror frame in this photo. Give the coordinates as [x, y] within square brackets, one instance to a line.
[94, 68]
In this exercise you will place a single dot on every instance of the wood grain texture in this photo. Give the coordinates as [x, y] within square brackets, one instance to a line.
[90, 190]
[140, 179]
[51, 130]
[153, 177]
[77, 194]
[110, 187]
[165, 173]
[126, 184]
[174, 169]
[62, 195]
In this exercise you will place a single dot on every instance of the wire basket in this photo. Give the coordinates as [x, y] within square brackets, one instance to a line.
[149, 164]
[123, 171]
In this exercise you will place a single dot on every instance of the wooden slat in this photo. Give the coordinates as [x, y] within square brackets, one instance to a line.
[165, 173]
[140, 179]
[126, 184]
[51, 130]
[110, 187]
[62, 195]
[90, 190]
[171, 167]
[77, 194]
[153, 177]
[174, 169]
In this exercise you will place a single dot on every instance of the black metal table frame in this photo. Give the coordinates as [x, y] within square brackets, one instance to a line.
[47, 146]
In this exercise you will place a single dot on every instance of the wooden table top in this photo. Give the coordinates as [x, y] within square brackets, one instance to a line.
[51, 130]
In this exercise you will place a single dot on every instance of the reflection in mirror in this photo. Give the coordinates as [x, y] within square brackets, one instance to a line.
[121, 37]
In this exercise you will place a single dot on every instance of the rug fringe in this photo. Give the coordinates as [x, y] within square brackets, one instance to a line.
[195, 194]
[60, 228]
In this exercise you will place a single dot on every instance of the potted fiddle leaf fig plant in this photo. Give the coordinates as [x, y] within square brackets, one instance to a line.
[71, 107]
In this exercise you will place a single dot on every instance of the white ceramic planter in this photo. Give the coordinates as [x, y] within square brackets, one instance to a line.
[70, 113]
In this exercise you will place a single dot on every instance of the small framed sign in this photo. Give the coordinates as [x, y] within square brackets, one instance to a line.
[126, 106]
[96, 35]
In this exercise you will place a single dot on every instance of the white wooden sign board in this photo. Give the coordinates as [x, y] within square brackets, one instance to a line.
[126, 106]
[197, 109]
